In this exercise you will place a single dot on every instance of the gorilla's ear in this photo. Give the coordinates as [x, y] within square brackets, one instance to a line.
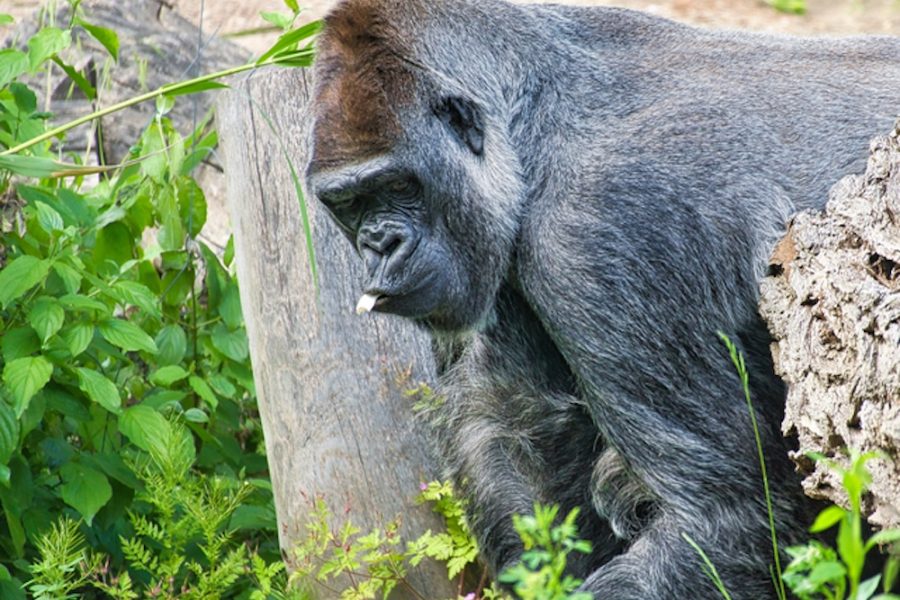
[464, 119]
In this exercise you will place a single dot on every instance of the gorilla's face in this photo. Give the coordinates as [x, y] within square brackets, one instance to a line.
[384, 209]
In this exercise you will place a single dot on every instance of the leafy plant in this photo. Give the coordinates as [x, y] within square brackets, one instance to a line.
[126, 397]
[796, 7]
[541, 574]
[818, 571]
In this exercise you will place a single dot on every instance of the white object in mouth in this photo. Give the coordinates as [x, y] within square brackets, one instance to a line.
[366, 303]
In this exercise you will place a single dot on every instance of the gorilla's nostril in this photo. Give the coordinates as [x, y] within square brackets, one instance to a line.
[392, 245]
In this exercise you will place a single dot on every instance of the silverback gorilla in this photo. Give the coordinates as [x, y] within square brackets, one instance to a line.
[574, 201]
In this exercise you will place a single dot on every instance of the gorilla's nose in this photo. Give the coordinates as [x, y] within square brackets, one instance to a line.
[385, 246]
[383, 240]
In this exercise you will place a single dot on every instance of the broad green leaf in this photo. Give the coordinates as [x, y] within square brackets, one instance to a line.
[135, 294]
[78, 337]
[166, 376]
[172, 343]
[107, 37]
[26, 100]
[99, 389]
[828, 518]
[77, 78]
[24, 377]
[19, 342]
[191, 205]
[45, 43]
[46, 317]
[292, 5]
[19, 276]
[79, 302]
[12, 64]
[48, 218]
[154, 159]
[142, 425]
[229, 251]
[222, 386]
[171, 234]
[230, 307]
[202, 389]
[127, 336]
[29, 166]
[84, 489]
[70, 277]
[288, 41]
[113, 247]
[280, 20]
[232, 344]
[868, 588]
[6, 19]
[9, 432]
[195, 415]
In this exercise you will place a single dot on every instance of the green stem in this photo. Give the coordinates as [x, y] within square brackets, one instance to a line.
[160, 91]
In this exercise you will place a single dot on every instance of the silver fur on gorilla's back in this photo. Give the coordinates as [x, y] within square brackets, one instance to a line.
[575, 201]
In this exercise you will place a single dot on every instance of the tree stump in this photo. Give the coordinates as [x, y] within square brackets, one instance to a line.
[833, 307]
[330, 383]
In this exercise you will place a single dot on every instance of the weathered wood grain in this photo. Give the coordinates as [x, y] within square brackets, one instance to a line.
[330, 383]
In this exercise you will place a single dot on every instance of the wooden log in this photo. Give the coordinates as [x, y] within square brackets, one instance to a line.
[330, 383]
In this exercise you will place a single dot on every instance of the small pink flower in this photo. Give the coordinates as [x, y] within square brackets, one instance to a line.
[422, 487]
[470, 596]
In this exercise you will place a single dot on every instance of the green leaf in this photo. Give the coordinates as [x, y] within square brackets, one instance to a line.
[78, 337]
[70, 277]
[172, 343]
[202, 389]
[135, 294]
[6, 19]
[230, 307]
[26, 100]
[29, 166]
[191, 205]
[46, 317]
[9, 432]
[79, 302]
[77, 78]
[288, 41]
[166, 376]
[113, 247]
[48, 219]
[12, 64]
[127, 336]
[232, 344]
[24, 377]
[107, 37]
[827, 519]
[154, 160]
[19, 276]
[180, 89]
[99, 389]
[222, 386]
[142, 425]
[280, 20]
[84, 489]
[19, 342]
[171, 234]
[292, 5]
[45, 43]
[195, 415]
[886, 536]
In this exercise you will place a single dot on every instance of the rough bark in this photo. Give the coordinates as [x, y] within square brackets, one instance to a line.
[330, 383]
[833, 307]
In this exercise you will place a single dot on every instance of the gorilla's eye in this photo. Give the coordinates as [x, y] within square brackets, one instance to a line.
[405, 186]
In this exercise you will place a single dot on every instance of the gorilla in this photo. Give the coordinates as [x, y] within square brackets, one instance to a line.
[574, 201]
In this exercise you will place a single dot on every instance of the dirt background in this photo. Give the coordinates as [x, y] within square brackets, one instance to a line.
[824, 17]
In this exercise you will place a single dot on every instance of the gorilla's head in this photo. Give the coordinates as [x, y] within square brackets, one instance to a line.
[414, 165]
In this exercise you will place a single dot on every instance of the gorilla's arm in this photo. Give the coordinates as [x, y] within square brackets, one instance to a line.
[656, 378]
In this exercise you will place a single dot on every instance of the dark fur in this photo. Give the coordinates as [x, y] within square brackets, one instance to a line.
[574, 201]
